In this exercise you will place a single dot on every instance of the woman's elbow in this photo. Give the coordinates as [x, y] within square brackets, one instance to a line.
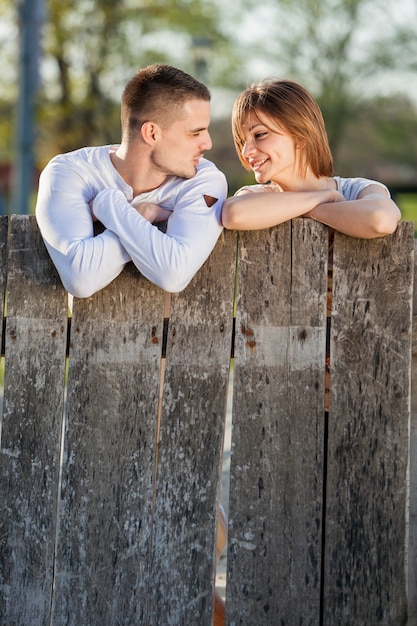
[386, 220]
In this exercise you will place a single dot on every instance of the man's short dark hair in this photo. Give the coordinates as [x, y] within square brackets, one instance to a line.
[157, 93]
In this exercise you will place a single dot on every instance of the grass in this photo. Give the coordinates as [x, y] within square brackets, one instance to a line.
[408, 207]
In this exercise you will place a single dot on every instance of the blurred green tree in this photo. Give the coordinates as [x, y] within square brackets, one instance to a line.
[347, 52]
[344, 51]
[93, 48]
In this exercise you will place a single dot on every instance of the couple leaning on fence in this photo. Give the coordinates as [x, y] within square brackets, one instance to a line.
[100, 207]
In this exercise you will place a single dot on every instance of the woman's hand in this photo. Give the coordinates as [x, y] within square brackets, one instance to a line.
[331, 196]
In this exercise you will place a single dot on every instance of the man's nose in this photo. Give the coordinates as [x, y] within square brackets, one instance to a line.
[207, 143]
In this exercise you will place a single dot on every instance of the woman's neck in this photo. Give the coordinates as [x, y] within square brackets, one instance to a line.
[307, 183]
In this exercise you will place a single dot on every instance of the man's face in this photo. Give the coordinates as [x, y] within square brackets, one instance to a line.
[181, 146]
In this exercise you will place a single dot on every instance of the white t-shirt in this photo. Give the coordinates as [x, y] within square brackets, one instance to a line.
[350, 188]
[87, 263]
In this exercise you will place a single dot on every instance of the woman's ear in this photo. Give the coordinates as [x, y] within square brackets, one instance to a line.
[299, 143]
[150, 132]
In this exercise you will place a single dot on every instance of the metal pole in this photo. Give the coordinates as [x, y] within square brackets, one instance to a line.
[30, 22]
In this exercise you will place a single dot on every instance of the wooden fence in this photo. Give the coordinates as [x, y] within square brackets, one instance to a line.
[113, 427]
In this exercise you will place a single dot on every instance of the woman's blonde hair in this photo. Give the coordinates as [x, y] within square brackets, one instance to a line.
[291, 107]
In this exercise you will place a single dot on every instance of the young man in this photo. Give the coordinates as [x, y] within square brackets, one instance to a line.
[156, 173]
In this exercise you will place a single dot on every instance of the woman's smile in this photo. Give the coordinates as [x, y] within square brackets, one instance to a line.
[256, 164]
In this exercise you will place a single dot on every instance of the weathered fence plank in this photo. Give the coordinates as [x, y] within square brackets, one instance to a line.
[31, 428]
[365, 564]
[191, 441]
[412, 543]
[103, 554]
[3, 270]
[318, 499]
[276, 479]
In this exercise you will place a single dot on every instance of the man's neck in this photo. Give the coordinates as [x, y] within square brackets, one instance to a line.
[135, 169]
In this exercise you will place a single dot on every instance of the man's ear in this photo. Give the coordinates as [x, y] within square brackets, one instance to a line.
[150, 132]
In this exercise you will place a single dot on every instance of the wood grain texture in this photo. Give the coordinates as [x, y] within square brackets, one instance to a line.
[275, 505]
[32, 423]
[107, 487]
[3, 272]
[412, 543]
[365, 567]
[191, 443]
[134, 522]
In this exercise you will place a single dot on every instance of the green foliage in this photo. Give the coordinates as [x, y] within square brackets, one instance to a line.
[8, 84]
[408, 206]
[224, 155]
[339, 49]
[381, 141]
[92, 51]
[335, 47]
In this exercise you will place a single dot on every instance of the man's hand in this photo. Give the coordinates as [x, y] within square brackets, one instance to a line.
[152, 212]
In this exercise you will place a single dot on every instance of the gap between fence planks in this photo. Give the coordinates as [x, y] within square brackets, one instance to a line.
[127, 551]
[318, 524]
[317, 502]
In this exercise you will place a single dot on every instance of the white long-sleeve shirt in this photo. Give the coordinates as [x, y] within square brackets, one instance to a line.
[87, 263]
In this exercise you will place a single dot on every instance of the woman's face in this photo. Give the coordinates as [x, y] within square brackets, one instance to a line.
[270, 151]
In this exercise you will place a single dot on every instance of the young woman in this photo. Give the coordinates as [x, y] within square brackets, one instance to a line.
[279, 134]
